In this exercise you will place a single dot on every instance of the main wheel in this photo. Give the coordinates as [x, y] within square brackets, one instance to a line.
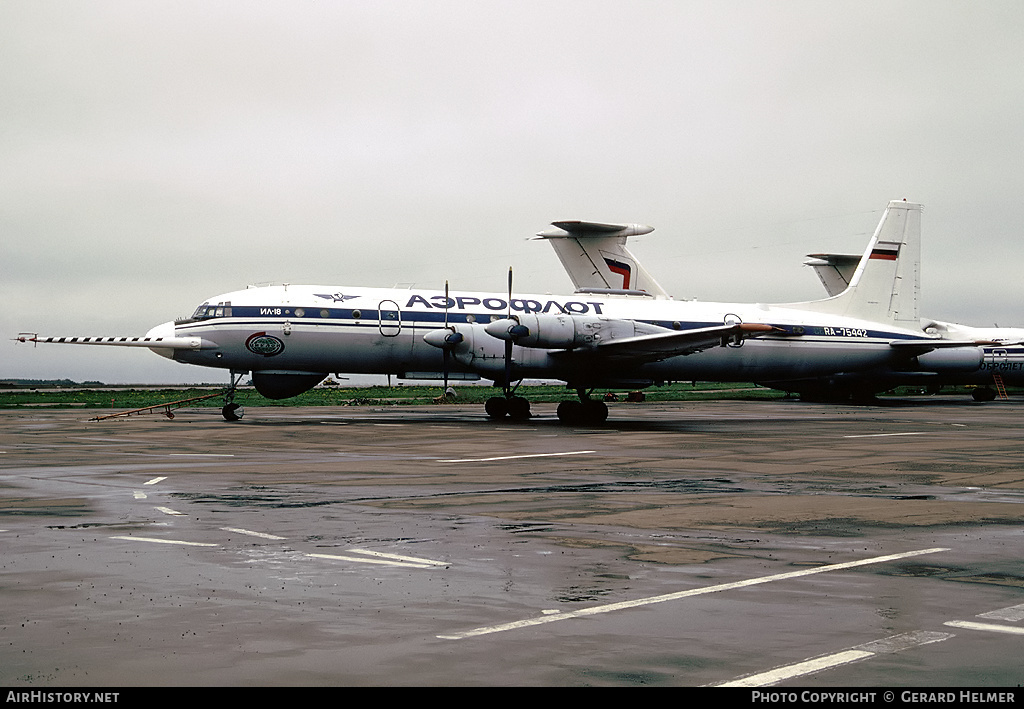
[496, 407]
[595, 412]
[232, 412]
[518, 408]
[570, 412]
[984, 394]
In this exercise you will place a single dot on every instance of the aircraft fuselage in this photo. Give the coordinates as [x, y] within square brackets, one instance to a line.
[319, 330]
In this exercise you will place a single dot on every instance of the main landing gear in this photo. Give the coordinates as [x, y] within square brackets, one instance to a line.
[231, 410]
[585, 412]
[516, 408]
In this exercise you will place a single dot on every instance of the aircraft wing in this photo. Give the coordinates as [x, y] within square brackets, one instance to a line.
[658, 346]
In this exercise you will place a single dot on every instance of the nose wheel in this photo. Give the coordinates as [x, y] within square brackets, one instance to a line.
[232, 412]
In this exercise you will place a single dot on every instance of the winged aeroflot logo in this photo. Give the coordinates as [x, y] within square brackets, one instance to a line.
[336, 297]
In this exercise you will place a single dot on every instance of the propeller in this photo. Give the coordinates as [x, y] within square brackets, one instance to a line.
[446, 352]
[509, 342]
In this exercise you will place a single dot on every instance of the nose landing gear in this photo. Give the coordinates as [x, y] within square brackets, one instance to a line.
[231, 410]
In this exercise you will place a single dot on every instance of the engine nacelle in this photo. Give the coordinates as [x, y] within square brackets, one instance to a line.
[953, 359]
[560, 331]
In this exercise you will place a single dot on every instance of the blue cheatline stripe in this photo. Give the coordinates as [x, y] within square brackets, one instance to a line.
[257, 316]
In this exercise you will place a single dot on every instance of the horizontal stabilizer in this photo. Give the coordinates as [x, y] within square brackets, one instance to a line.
[570, 229]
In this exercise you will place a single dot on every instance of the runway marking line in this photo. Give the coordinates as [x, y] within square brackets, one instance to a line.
[385, 562]
[261, 535]
[887, 435]
[169, 511]
[1012, 614]
[513, 457]
[990, 627]
[380, 557]
[154, 481]
[154, 540]
[622, 605]
[889, 645]
[399, 557]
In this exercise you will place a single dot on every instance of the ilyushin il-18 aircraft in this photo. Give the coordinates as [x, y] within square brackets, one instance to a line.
[618, 329]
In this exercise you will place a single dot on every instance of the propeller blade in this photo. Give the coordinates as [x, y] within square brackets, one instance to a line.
[508, 343]
[445, 352]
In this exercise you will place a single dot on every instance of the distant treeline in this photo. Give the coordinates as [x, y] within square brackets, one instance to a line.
[45, 383]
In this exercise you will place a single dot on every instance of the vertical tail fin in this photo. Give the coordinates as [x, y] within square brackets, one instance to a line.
[886, 285]
[595, 256]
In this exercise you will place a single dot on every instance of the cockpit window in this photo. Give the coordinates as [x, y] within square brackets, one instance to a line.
[207, 312]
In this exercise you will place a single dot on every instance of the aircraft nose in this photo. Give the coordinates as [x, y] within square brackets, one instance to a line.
[164, 330]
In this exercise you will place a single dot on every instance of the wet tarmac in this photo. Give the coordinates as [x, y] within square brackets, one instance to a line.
[690, 544]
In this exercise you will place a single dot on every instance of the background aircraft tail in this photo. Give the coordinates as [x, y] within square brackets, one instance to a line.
[596, 258]
[886, 285]
[834, 270]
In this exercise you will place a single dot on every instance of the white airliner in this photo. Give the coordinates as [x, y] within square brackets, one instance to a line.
[618, 329]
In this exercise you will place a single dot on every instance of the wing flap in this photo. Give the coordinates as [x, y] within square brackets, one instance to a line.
[659, 346]
[917, 347]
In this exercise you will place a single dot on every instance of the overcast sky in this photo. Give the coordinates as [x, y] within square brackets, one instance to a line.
[154, 154]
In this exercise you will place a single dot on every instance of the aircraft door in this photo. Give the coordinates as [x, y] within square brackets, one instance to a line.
[390, 318]
[996, 359]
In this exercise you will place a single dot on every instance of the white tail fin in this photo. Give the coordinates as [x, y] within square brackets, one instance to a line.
[596, 258]
[886, 285]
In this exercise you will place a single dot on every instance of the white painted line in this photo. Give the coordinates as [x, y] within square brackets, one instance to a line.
[903, 641]
[261, 535]
[595, 610]
[514, 457]
[1013, 614]
[139, 495]
[806, 667]
[883, 435]
[892, 644]
[169, 511]
[154, 481]
[398, 557]
[166, 541]
[385, 562]
[204, 455]
[991, 627]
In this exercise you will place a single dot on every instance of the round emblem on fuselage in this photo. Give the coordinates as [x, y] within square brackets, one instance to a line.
[263, 344]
